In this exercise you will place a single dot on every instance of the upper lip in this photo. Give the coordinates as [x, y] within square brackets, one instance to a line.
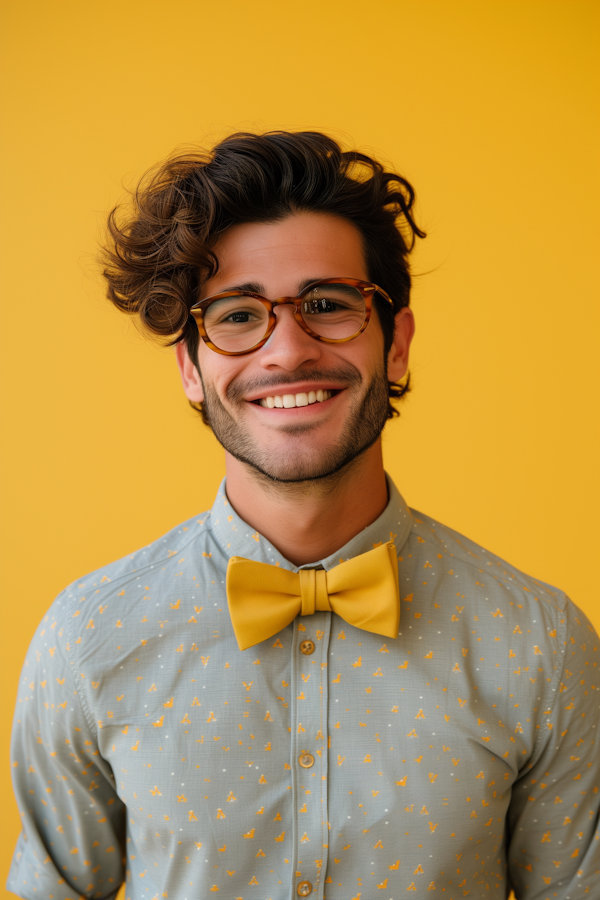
[302, 387]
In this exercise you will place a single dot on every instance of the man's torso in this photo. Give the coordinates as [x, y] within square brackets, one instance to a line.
[325, 755]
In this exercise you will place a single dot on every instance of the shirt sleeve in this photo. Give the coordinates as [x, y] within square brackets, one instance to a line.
[554, 848]
[73, 822]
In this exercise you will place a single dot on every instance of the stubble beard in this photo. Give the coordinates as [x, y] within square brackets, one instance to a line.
[362, 429]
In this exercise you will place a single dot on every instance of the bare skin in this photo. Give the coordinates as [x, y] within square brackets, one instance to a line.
[288, 471]
[310, 523]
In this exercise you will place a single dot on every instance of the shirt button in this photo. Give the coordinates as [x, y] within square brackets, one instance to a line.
[306, 760]
[304, 889]
[307, 647]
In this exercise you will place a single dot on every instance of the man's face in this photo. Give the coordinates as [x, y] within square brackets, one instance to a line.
[304, 442]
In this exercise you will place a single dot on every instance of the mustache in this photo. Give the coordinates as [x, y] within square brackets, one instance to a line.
[346, 376]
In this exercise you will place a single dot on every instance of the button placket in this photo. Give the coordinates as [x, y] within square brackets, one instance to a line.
[309, 752]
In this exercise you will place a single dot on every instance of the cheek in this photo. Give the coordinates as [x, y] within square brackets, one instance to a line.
[371, 358]
[220, 372]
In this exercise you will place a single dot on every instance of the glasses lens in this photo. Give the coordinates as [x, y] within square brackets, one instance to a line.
[236, 323]
[334, 311]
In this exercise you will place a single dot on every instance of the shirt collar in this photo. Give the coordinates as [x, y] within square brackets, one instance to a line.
[237, 538]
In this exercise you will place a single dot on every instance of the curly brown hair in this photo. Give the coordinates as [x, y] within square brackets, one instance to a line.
[158, 252]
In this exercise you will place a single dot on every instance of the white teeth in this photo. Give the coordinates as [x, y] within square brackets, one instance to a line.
[291, 401]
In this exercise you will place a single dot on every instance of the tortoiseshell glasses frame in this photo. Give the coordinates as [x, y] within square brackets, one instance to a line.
[365, 288]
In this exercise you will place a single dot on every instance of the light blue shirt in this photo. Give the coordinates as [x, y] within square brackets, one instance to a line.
[461, 758]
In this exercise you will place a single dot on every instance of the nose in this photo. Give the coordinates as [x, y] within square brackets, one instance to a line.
[289, 346]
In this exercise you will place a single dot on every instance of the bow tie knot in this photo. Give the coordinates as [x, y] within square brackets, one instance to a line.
[264, 599]
[313, 591]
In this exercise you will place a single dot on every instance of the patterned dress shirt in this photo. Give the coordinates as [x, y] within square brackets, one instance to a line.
[461, 758]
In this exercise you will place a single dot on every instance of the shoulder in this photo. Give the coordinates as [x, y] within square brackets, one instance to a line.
[470, 560]
[517, 635]
[114, 591]
[478, 584]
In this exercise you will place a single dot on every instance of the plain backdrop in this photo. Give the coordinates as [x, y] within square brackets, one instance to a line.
[490, 109]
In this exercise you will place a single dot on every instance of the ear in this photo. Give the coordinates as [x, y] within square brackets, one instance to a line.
[192, 383]
[397, 361]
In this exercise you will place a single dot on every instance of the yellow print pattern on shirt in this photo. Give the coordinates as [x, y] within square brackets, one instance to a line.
[369, 767]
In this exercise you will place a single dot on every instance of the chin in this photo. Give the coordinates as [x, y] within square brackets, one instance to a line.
[306, 473]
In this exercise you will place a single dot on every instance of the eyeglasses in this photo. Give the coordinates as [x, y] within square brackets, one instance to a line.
[334, 310]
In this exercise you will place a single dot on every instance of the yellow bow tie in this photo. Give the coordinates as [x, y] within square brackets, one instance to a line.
[363, 591]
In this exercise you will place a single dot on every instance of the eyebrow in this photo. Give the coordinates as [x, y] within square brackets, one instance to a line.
[255, 287]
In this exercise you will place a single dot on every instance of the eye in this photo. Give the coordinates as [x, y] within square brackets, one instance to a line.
[240, 316]
[235, 322]
[334, 311]
[317, 305]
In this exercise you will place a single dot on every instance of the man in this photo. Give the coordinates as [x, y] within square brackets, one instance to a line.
[309, 690]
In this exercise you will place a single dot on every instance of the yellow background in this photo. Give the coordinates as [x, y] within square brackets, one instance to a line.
[490, 109]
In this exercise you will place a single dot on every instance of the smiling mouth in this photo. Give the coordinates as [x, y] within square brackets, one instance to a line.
[291, 401]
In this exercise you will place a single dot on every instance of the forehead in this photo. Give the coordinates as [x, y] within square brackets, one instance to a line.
[281, 255]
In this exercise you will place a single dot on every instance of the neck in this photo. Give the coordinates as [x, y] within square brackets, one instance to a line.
[309, 520]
